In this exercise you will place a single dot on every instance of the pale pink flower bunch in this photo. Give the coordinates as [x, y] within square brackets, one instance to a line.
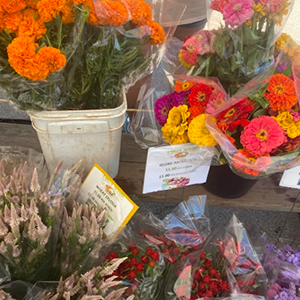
[80, 237]
[5, 296]
[96, 284]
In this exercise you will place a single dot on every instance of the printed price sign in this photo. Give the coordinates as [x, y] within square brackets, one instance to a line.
[176, 166]
[100, 189]
[291, 178]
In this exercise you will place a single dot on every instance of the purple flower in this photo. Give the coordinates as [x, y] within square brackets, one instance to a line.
[179, 98]
[161, 109]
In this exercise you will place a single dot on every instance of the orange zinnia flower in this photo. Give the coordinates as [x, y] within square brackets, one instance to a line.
[12, 6]
[281, 93]
[140, 11]
[183, 86]
[52, 57]
[195, 111]
[12, 21]
[21, 56]
[49, 9]
[31, 25]
[156, 32]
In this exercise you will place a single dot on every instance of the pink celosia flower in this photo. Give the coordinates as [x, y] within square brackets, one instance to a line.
[237, 12]
[262, 135]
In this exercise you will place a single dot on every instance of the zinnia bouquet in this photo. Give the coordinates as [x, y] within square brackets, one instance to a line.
[258, 130]
[240, 42]
[76, 54]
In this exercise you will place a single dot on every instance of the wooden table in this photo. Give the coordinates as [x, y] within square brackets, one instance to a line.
[264, 195]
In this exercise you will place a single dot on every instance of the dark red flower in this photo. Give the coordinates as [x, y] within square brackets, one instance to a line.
[135, 251]
[149, 251]
[212, 272]
[202, 255]
[126, 265]
[139, 267]
[213, 285]
[199, 95]
[236, 115]
[131, 274]
[176, 250]
[197, 275]
[172, 259]
[112, 256]
[206, 279]
[218, 275]
[131, 245]
[202, 287]
[144, 259]
[209, 294]
[250, 282]
[132, 261]
[154, 256]
[152, 264]
[207, 263]
[224, 286]
[194, 285]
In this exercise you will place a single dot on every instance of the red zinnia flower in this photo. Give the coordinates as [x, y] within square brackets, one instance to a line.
[199, 95]
[154, 256]
[202, 255]
[144, 259]
[131, 274]
[236, 115]
[195, 111]
[140, 267]
[135, 251]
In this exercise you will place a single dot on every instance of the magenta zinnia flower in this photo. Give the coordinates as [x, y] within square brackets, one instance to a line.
[161, 109]
[179, 98]
[237, 12]
[262, 135]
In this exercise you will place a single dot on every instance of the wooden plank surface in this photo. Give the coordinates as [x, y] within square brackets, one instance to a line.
[264, 195]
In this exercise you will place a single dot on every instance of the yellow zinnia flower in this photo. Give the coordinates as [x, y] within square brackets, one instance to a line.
[175, 129]
[287, 123]
[199, 134]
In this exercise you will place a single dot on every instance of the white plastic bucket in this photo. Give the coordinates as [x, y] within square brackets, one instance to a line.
[93, 136]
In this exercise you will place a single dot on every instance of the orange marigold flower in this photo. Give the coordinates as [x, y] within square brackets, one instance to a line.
[12, 21]
[67, 13]
[156, 33]
[140, 11]
[115, 12]
[12, 6]
[31, 3]
[31, 25]
[52, 57]
[281, 93]
[183, 86]
[49, 9]
[22, 58]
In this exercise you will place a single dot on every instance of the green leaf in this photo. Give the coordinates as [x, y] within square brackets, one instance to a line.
[260, 112]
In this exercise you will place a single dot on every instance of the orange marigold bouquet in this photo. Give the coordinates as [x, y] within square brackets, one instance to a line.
[259, 128]
[75, 54]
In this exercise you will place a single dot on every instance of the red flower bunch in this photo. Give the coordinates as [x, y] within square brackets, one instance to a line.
[176, 243]
[240, 261]
[199, 279]
[141, 263]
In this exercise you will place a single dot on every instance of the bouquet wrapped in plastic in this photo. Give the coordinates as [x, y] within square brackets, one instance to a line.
[239, 42]
[258, 129]
[227, 264]
[31, 202]
[79, 54]
[181, 232]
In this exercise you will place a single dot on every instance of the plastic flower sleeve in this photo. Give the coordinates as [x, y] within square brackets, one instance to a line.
[143, 265]
[232, 248]
[180, 232]
[15, 290]
[84, 60]
[238, 43]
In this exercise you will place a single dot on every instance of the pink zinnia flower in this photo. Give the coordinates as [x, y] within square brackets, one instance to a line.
[216, 99]
[189, 56]
[296, 116]
[237, 12]
[262, 135]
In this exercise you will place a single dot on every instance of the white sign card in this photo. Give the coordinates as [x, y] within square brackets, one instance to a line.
[100, 189]
[176, 166]
[291, 178]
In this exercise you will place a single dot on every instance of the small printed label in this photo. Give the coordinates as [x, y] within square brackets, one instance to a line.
[100, 189]
[176, 166]
[291, 178]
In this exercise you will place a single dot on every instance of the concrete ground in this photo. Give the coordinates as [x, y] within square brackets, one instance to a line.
[270, 222]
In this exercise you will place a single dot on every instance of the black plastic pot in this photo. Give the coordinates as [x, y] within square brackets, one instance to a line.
[222, 182]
